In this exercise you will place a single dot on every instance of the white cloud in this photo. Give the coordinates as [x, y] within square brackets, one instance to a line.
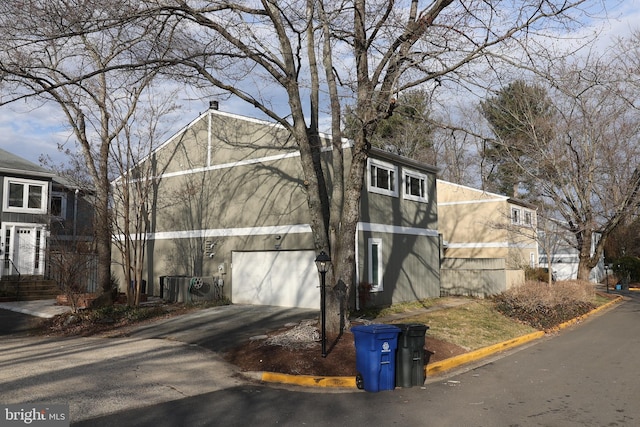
[29, 132]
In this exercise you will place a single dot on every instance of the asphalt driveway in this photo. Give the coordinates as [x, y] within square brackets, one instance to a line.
[156, 363]
[221, 328]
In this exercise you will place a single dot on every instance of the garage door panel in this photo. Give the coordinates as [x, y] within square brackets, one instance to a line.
[280, 278]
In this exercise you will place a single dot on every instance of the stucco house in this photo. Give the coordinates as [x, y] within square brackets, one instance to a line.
[229, 207]
[487, 238]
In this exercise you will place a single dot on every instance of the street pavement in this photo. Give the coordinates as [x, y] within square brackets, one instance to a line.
[168, 375]
[161, 362]
[585, 375]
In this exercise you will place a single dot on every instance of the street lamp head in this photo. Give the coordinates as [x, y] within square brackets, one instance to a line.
[322, 262]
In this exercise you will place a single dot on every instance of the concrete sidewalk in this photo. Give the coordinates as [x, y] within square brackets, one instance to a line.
[41, 308]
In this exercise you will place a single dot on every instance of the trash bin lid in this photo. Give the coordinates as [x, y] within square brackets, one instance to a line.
[375, 328]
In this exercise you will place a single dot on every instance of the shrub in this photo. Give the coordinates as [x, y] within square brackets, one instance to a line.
[542, 306]
[536, 274]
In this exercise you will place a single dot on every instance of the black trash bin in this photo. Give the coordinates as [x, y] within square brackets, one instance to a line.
[410, 355]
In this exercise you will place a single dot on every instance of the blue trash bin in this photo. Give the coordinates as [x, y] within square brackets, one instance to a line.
[376, 356]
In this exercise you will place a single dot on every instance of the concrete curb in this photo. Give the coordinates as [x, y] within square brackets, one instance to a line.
[578, 319]
[434, 368]
[309, 380]
[472, 356]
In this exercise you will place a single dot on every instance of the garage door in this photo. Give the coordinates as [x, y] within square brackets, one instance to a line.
[281, 278]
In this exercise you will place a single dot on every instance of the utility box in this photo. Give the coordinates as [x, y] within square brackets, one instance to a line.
[375, 356]
[410, 355]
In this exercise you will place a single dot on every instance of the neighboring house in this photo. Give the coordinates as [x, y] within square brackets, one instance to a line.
[229, 205]
[24, 222]
[36, 205]
[484, 232]
[564, 256]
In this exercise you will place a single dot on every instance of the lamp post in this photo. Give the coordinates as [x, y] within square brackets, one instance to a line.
[322, 262]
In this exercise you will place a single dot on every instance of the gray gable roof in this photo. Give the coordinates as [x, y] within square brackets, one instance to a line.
[12, 164]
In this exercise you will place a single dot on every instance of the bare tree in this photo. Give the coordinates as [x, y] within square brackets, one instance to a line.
[89, 59]
[586, 167]
[134, 189]
[263, 52]
[370, 51]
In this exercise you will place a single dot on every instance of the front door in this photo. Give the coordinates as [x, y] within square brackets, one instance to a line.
[23, 246]
[25, 249]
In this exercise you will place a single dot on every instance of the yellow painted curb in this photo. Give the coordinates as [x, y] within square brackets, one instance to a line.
[309, 380]
[472, 356]
[584, 316]
[431, 369]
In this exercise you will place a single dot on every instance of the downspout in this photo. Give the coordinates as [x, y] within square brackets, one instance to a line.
[356, 284]
[75, 213]
[209, 139]
[213, 105]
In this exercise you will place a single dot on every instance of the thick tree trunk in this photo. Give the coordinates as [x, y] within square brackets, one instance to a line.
[586, 260]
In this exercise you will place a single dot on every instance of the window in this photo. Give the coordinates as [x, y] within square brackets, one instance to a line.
[515, 215]
[528, 218]
[59, 204]
[415, 186]
[23, 195]
[375, 264]
[383, 178]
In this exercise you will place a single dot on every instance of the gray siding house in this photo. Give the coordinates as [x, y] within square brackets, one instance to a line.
[229, 209]
[25, 192]
[39, 211]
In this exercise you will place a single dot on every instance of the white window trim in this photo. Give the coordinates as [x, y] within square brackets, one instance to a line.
[375, 287]
[26, 182]
[416, 175]
[63, 207]
[516, 220]
[532, 219]
[9, 252]
[383, 165]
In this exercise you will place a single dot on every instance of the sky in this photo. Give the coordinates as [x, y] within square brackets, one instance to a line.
[30, 129]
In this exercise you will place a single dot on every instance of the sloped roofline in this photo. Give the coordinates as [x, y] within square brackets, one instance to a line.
[345, 141]
[496, 196]
[15, 165]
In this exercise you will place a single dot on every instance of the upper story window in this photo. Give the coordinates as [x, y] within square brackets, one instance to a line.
[59, 204]
[522, 217]
[415, 186]
[25, 195]
[515, 216]
[382, 178]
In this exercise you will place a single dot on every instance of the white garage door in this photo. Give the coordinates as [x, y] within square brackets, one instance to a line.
[281, 278]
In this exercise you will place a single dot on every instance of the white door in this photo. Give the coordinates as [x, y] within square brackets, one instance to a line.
[24, 246]
[280, 278]
[24, 252]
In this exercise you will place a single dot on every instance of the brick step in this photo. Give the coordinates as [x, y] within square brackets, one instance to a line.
[29, 290]
[35, 297]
